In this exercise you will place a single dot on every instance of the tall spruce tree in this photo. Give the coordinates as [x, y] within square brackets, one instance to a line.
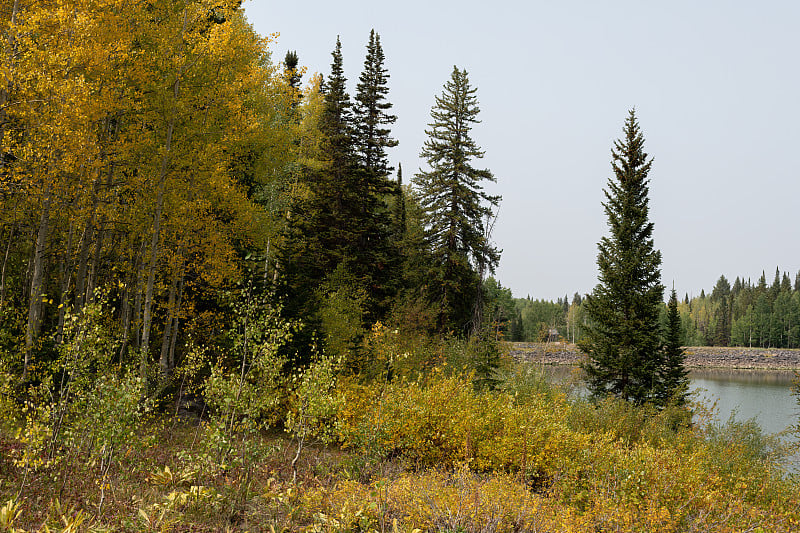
[293, 76]
[399, 210]
[372, 115]
[343, 223]
[323, 234]
[623, 340]
[377, 261]
[337, 118]
[721, 324]
[455, 206]
[674, 383]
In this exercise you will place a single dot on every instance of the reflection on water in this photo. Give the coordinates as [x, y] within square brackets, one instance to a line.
[780, 378]
[761, 394]
[764, 395]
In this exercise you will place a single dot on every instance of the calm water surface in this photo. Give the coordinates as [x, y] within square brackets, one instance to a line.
[761, 394]
[765, 395]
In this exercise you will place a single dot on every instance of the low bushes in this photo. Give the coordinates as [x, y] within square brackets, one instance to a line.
[617, 467]
[432, 501]
[416, 447]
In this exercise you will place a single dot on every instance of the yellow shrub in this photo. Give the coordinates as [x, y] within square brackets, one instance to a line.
[445, 422]
[647, 472]
[432, 501]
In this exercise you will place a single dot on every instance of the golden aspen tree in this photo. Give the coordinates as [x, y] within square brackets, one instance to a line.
[139, 142]
[224, 100]
[53, 143]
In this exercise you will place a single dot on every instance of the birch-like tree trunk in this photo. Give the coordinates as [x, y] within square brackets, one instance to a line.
[156, 236]
[37, 279]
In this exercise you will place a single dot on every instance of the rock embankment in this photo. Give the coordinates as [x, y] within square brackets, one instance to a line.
[557, 353]
[550, 353]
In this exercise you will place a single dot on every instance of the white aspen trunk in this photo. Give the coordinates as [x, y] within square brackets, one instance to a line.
[3, 273]
[151, 274]
[151, 271]
[176, 322]
[92, 280]
[37, 279]
[66, 276]
[166, 369]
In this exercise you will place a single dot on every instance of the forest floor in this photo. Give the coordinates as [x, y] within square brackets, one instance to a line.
[415, 457]
[562, 353]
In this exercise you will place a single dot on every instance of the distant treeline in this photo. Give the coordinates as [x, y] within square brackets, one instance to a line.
[745, 314]
[761, 314]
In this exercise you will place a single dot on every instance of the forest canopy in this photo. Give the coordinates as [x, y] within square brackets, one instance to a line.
[159, 162]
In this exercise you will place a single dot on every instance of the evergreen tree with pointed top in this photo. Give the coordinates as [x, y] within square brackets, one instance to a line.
[455, 206]
[332, 187]
[325, 229]
[372, 114]
[722, 289]
[320, 235]
[290, 63]
[400, 205]
[786, 283]
[720, 299]
[623, 340]
[344, 223]
[378, 260]
[775, 288]
[736, 288]
[674, 379]
[762, 283]
[337, 118]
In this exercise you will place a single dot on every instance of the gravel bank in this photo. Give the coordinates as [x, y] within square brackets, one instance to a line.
[696, 357]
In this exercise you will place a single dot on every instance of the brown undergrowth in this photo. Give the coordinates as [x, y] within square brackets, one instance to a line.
[427, 455]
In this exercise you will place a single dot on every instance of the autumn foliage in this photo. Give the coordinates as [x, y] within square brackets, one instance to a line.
[141, 145]
[423, 450]
[152, 158]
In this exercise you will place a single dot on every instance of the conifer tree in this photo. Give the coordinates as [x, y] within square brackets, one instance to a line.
[786, 283]
[674, 385]
[720, 298]
[372, 114]
[624, 340]
[721, 290]
[722, 323]
[737, 287]
[455, 206]
[377, 261]
[323, 234]
[337, 119]
[399, 214]
[290, 63]
[342, 223]
[775, 288]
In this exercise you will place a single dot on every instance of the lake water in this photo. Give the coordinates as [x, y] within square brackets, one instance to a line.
[761, 394]
[764, 395]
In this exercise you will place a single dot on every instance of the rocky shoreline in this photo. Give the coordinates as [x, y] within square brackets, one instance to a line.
[558, 353]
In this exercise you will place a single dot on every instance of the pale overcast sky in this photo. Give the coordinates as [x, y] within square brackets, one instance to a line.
[716, 86]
